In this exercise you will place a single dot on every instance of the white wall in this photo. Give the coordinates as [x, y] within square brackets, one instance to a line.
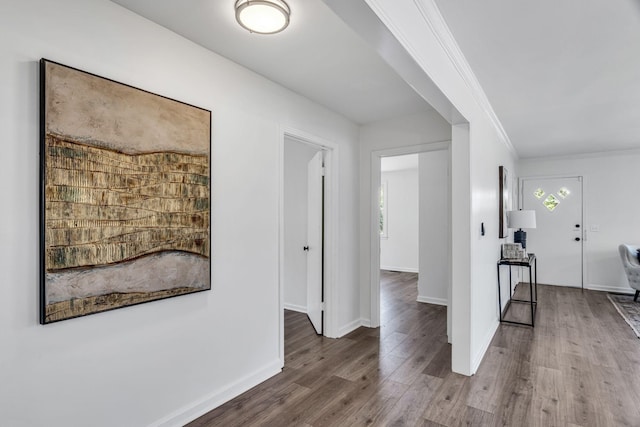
[399, 250]
[419, 224]
[434, 227]
[611, 203]
[170, 360]
[398, 133]
[296, 158]
[477, 151]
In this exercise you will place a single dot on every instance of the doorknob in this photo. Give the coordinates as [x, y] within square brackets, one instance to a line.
[577, 239]
[306, 248]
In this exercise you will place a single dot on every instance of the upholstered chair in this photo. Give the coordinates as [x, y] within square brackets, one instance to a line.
[629, 256]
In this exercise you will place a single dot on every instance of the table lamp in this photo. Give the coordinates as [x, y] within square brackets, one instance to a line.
[521, 219]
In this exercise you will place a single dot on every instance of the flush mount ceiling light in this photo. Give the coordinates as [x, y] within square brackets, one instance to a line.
[263, 16]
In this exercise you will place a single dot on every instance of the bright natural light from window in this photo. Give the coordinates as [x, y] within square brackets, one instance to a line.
[383, 210]
[551, 202]
[564, 192]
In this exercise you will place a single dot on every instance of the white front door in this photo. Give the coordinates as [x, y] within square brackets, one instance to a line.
[557, 238]
[315, 245]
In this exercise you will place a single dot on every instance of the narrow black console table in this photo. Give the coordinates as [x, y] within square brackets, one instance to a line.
[532, 265]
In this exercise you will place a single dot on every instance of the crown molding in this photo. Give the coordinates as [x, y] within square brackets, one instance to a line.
[435, 21]
[431, 15]
[581, 156]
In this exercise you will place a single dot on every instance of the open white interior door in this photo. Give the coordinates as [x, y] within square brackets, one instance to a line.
[315, 239]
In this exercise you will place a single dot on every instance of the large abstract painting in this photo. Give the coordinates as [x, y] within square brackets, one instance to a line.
[125, 195]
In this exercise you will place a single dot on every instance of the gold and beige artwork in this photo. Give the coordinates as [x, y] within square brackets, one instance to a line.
[126, 195]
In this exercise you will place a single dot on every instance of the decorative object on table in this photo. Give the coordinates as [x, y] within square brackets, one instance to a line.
[513, 251]
[628, 309]
[125, 195]
[521, 219]
[631, 265]
[503, 206]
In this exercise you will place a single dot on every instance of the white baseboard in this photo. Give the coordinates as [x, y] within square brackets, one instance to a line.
[601, 288]
[402, 269]
[196, 409]
[295, 307]
[365, 322]
[475, 363]
[349, 327]
[615, 289]
[430, 300]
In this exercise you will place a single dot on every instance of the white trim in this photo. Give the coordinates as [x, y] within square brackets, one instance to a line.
[482, 351]
[401, 269]
[556, 285]
[332, 224]
[532, 177]
[211, 401]
[613, 289]
[431, 300]
[365, 322]
[281, 249]
[295, 307]
[374, 253]
[594, 154]
[350, 327]
[436, 22]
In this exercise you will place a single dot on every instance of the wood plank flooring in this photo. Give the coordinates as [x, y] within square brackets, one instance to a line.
[580, 366]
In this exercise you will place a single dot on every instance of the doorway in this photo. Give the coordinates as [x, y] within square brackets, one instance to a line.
[434, 227]
[558, 237]
[303, 230]
[307, 230]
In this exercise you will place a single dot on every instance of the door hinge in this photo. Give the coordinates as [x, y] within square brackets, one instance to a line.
[322, 306]
[323, 171]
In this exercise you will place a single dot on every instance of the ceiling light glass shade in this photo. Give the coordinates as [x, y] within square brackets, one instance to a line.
[263, 16]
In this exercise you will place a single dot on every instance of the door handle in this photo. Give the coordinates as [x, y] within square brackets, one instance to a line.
[306, 248]
[577, 239]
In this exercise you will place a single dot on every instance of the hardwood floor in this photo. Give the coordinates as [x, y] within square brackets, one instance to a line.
[580, 366]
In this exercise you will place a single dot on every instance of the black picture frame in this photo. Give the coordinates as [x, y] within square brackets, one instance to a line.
[503, 202]
[125, 195]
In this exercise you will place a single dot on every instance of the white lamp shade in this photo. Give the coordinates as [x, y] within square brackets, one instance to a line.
[263, 16]
[521, 219]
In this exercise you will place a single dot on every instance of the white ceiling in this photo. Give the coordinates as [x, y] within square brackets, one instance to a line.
[317, 56]
[562, 76]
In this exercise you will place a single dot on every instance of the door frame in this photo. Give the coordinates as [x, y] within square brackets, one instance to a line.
[315, 229]
[583, 213]
[331, 221]
[374, 254]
